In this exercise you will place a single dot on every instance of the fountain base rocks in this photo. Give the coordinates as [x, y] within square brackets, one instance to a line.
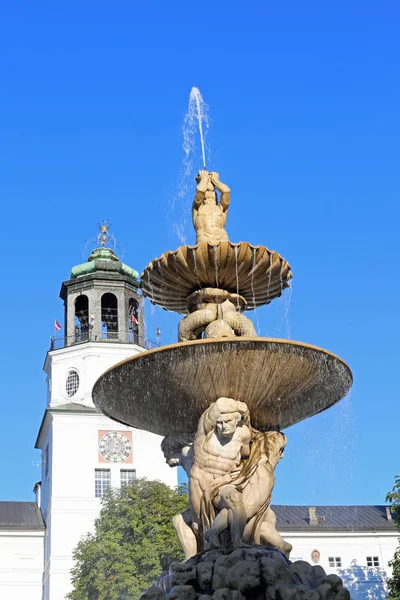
[254, 573]
[221, 397]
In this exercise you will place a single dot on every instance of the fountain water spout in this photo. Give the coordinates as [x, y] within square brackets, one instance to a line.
[197, 106]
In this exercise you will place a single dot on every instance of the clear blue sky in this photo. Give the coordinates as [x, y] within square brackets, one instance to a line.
[304, 101]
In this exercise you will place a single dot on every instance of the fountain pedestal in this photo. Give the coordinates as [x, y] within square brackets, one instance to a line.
[246, 573]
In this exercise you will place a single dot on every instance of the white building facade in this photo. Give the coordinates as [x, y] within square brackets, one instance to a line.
[84, 452]
[354, 542]
[22, 534]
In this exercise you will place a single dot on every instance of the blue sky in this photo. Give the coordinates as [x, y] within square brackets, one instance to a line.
[304, 102]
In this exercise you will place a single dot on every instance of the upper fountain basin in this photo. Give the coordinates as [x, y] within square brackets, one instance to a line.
[254, 272]
[167, 389]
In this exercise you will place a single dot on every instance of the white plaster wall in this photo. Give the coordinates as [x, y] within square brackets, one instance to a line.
[69, 503]
[74, 507]
[21, 564]
[90, 360]
[352, 546]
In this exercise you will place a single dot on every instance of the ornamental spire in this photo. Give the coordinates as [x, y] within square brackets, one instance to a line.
[105, 239]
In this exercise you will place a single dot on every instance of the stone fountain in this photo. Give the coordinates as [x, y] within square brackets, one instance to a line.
[220, 397]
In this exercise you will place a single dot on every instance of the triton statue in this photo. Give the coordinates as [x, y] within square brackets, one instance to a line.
[209, 215]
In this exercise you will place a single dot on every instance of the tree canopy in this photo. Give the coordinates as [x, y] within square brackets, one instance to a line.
[394, 582]
[133, 542]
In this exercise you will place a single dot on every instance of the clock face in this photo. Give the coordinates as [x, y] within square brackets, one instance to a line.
[114, 446]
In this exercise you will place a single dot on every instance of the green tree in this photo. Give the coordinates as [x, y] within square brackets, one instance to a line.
[394, 582]
[134, 541]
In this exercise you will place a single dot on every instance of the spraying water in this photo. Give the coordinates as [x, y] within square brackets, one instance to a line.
[196, 96]
[196, 122]
[196, 117]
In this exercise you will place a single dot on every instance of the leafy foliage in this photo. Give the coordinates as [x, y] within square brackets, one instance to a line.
[133, 542]
[394, 582]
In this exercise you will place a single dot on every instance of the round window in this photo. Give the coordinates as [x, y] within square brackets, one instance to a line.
[72, 383]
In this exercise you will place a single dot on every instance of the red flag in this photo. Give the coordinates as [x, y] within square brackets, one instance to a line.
[134, 320]
[57, 325]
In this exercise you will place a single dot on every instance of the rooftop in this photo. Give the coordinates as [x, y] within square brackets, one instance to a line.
[103, 257]
[20, 515]
[333, 518]
[104, 260]
[27, 515]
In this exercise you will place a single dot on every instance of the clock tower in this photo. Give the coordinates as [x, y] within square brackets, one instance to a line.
[83, 452]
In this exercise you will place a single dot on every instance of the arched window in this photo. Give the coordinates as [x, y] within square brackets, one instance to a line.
[109, 316]
[81, 318]
[133, 320]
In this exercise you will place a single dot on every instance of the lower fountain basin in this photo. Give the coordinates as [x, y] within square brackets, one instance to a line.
[167, 389]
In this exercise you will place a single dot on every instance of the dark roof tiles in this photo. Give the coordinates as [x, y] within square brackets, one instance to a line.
[23, 515]
[333, 518]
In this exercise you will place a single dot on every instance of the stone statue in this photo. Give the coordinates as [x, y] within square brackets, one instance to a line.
[209, 215]
[178, 451]
[217, 313]
[222, 441]
[231, 476]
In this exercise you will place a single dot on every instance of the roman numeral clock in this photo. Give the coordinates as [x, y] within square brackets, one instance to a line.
[115, 446]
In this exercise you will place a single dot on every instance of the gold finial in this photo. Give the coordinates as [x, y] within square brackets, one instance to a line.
[104, 237]
[103, 240]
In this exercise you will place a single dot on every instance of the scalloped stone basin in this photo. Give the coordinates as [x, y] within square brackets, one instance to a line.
[166, 390]
[254, 272]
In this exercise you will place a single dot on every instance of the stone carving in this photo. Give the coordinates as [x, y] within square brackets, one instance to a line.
[231, 476]
[228, 533]
[178, 451]
[246, 573]
[209, 215]
[216, 314]
[256, 273]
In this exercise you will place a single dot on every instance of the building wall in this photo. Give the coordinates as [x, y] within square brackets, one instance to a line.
[90, 360]
[69, 505]
[350, 547]
[73, 506]
[21, 564]
[353, 548]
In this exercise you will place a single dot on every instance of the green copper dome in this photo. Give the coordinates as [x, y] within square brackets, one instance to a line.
[103, 259]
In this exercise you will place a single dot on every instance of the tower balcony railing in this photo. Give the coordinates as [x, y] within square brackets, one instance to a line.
[122, 337]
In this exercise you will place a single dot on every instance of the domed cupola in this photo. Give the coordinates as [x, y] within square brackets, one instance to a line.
[101, 298]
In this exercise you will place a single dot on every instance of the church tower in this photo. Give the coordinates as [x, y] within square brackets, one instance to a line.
[83, 452]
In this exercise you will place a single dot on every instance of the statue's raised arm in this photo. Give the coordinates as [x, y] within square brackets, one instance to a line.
[202, 180]
[209, 215]
[223, 189]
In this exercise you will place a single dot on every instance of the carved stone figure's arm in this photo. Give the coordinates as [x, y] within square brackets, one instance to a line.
[229, 405]
[224, 190]
[210, 418]
[245, 439]
[201, 189]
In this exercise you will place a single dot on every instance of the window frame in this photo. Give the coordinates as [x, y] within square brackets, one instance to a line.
[100, 483]
[72, 371]
[128, 480]
[335, 561]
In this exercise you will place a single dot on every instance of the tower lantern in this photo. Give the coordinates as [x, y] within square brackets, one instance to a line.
[101, 300]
